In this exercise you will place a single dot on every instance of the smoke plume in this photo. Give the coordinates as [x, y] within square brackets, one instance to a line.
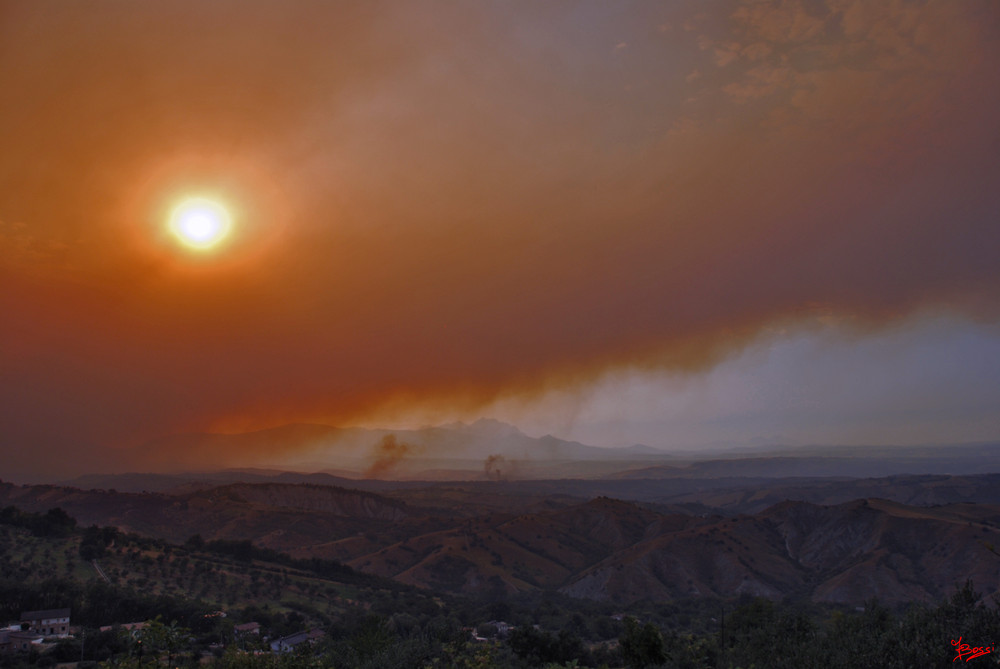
[498, 468]
[387, 454]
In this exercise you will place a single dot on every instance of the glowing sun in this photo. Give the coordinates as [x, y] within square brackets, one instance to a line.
[200, 223]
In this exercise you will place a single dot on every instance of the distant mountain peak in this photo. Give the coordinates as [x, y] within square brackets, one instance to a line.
[495, 427]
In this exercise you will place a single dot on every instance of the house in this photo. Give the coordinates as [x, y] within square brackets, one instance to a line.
[494, 629]
[130, 627]
[503, 628]
[12, 640]
[287, 643]
[247, 629]
[51, 622]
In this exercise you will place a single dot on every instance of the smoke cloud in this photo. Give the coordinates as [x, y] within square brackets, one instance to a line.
[388, 453]
[441, 204]
[497, 468]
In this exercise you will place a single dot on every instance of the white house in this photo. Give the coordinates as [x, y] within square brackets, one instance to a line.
[51, 622]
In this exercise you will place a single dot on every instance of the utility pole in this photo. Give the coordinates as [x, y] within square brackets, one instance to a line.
[722, 629]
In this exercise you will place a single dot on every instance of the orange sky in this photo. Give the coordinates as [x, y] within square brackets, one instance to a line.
[441, 204]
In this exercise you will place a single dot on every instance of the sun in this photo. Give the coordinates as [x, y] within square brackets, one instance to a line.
[200, 223]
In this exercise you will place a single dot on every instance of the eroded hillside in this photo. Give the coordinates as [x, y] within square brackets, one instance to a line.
[603, 549]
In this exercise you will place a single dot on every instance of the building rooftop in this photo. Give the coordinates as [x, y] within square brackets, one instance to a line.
[47, 613]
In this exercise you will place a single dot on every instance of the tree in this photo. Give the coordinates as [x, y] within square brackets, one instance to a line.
[538, 647]
[642, 646]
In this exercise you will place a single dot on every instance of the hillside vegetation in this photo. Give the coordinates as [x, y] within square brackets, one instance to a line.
[602, 549]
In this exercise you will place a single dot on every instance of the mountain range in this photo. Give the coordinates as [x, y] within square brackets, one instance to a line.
[492, 450]
[504, 537]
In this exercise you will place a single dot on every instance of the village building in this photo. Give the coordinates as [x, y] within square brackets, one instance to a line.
[15, 640]
[503, 628]
[248, 629]
[288, 643]
[130, 627]
[50, 622]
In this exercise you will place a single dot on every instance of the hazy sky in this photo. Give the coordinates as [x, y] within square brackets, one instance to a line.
[678, 223]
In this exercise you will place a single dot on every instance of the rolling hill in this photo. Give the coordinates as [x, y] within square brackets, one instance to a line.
[606, 549]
